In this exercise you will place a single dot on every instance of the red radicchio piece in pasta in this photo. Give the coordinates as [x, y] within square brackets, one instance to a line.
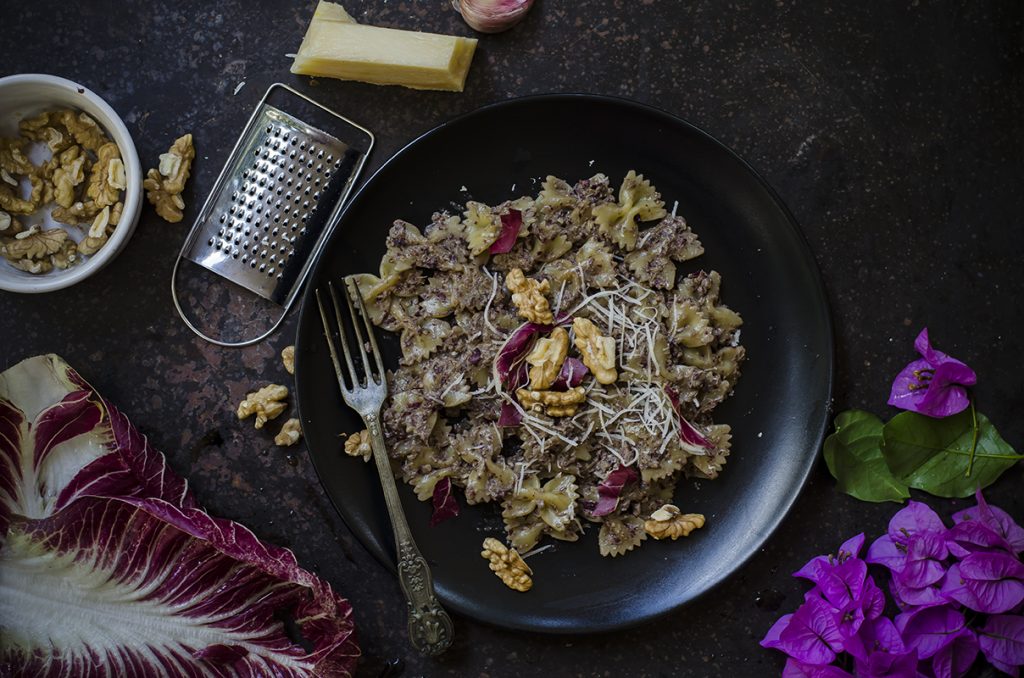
[692, 439]
[610, 489]
[510, 364]
[571, 375]
[445, 504]
[511, 224]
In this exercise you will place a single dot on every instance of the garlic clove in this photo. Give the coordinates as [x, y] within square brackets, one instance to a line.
[492, 16]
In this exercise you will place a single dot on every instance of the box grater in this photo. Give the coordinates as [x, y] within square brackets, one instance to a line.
[276, 201]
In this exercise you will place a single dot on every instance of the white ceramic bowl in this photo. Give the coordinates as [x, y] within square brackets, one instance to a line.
[25, 95]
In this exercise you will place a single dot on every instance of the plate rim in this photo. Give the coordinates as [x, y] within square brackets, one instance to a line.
[820, 290]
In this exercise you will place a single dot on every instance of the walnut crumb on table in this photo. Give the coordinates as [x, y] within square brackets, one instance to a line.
[165, 183]
[290, 433]
[266, 403]
[288, 358]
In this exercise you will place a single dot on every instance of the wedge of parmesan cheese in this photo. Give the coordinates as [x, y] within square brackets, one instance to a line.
[336, 46]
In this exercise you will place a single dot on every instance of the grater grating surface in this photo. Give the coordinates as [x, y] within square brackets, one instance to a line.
[277, 198]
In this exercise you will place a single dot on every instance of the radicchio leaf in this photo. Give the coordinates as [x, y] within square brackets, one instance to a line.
[610, 489]
[445, 504]
[511, 223]
[693, 440]
[96, 531]
[512, 355]
[510, 364]
[571, 374]
[76, 444]
[206, 593]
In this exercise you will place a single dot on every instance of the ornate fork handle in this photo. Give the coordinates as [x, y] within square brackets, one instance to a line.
[430, 627]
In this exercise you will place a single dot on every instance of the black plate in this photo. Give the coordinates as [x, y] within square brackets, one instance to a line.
[778, 412]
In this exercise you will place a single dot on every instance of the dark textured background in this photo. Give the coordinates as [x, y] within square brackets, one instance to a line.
[893, 130]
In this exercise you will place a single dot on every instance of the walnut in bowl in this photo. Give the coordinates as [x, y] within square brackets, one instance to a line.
[70, 183]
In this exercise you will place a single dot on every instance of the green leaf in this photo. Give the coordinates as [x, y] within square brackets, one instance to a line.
[853, 455]
[934, 455]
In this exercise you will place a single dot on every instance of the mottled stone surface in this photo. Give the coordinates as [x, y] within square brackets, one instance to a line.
[891, 129]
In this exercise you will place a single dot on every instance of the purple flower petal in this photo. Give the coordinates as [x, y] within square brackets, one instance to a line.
[934, 385]
[908, 598]
[797, 669]
[877, 635]
[887, 553]
[844, 583]
[906, 389]
[872, 599]
[956, 658]
[885, 665]
[930, 629]
[819, 566]
[913, 519]
[970, 536]
[1002, 641]
[996, 519]
[987, 582]
[771, 639]
[811, 635]
[922, 566]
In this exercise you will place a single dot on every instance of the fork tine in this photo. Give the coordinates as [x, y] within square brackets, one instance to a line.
[330, 340]
[344, 340]
[359, 334]
[353, 291]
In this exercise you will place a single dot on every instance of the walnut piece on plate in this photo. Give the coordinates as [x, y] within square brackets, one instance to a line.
[598, 350]
[547, 357]
[667, 522]
[508, 565]
[552, 403]
[358, 445]
[266, 403]
[528, 296]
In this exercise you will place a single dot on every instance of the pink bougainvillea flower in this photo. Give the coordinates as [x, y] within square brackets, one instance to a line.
[933, 385]
[809, 635]
[995, 519]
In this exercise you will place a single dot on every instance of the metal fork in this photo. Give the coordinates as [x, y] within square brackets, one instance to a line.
[430, 627]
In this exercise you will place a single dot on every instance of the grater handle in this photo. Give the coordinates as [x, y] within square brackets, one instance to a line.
[188, 321]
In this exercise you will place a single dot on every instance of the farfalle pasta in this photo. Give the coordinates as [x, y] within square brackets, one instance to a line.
[504, 401]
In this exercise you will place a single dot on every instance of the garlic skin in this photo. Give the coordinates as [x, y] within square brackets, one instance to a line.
[492, 16]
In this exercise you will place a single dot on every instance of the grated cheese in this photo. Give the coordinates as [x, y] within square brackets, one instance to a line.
[490, 299]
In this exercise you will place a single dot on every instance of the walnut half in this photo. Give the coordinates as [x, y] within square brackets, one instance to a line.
[358, 445]
[547, 357]
[528, 296]
[266, 403]
[552, 403]
[165, 184]
[667, 522]
[508, 565]
[598, 351]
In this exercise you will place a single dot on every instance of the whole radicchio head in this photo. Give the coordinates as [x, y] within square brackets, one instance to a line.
[934, 384]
